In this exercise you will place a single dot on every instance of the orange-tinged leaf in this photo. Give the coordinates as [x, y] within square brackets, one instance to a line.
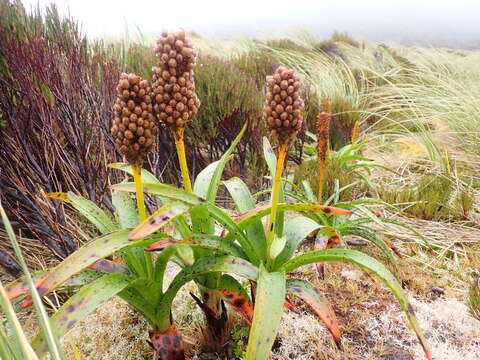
[393, 247]
[241, 305]
[59, 196]
[160, 245]
[158, 219]
[319, 303]
[290, 306]
[259, 212]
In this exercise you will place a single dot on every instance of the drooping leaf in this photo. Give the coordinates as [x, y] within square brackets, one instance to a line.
[367, 263]
[88, 299]
[261, 211]
[167, 191]
[92, 212]
[96, 249]
[234, 294]
[109, 267]
[20, 286]
[147, 176]
[269, 302]
[319, 303]
[158, 219]
[369, 235]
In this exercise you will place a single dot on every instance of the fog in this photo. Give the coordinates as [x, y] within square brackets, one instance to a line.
[427, 22]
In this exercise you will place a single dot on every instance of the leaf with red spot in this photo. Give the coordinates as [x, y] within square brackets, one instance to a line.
[88, 299]
[319, 303]
[253, 215]
[109, 267]
[167, 345]
[158, 219]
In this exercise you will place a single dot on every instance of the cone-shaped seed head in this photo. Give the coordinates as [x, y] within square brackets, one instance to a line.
[323, 130]
[134, 127]
[283, 106]
[173, 84]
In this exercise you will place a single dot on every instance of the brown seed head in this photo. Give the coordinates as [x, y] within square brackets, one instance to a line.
[173, 77]
[323, 130]
[129, 124]
[283, 106]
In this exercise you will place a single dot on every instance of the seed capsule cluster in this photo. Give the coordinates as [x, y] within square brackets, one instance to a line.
[283, 106]
[134, 126]
[173, 84]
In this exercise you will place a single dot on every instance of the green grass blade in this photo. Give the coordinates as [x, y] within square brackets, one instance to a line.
[269, 301]
[88, 299]
[367, 263]
[19, 345]
[56, 351]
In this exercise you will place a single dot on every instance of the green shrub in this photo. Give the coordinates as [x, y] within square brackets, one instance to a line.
[435, 197]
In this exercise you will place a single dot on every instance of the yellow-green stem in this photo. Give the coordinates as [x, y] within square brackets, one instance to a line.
[178, 135]
[142, 212]
[282, 154]
[137, 177]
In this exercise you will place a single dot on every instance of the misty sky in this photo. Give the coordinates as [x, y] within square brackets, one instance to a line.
[403, 20]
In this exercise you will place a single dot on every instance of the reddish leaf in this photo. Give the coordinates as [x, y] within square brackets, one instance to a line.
[239, 304]
[319, 303]
[394, 249]
[160, 245]
[290, 306]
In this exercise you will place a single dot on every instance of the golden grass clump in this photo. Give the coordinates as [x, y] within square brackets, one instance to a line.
[173, 84]
[283, 106]
[134, 126]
